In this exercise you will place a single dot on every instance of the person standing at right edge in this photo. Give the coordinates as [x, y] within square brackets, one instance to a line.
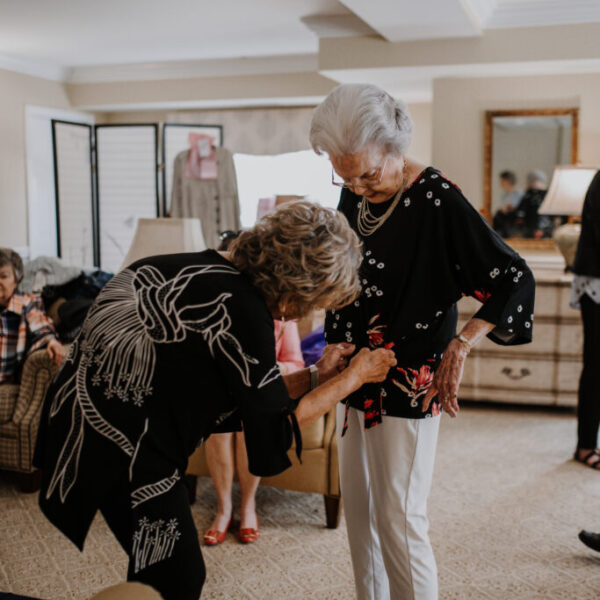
[424, 247]
[585, 295]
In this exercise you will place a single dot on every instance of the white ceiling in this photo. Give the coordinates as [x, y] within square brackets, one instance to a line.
[124, 40]
[91, 32]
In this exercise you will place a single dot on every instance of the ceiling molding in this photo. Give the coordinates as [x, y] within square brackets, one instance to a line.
[34, 68]
[267, 102]
[192, 69]
[415, 84]
[406, 20]
[550, 12]
[482, 10]
[337, 25]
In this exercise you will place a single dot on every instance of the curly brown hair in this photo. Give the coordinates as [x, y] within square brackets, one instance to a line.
[301, 257]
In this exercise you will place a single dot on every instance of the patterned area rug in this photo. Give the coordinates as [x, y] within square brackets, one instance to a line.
[506, 507]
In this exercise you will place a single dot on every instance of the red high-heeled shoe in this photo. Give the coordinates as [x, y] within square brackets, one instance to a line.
[248, 534]
[212, 537]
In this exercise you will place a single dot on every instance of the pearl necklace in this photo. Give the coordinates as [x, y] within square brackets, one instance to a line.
[366, 223]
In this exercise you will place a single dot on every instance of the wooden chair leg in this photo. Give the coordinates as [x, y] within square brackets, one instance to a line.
[190, 482]
[29, 482]
[333, 511]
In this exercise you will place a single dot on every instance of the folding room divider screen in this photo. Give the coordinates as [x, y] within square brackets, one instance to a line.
[105, 179]
[127, 186]
[76, 208]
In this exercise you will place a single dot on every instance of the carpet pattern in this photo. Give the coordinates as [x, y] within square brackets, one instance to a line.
[505, 509]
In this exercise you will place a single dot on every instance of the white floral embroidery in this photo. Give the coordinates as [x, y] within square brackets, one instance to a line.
[509, 320]
[429, 195]
[434, 176]
[154, 542]
[372, 261]
[422, 180]
[334, 326]
[519, 308]
[445, 185]
[356, 303]
[527, 324]
[379, 293]
[439, 313]
[437, 202]
[494, 273]
[337, 317]
[418, 325]
[380, 265]
[406, 202]
[348, 325]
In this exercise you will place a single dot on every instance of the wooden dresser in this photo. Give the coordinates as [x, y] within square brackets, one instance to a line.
[544, 372]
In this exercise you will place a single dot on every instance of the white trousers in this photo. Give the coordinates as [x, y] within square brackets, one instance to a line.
[385, 478]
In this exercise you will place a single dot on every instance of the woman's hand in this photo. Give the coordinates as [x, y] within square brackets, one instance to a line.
[372, 366]
[56, 351]
[447, 378]
[334, 360]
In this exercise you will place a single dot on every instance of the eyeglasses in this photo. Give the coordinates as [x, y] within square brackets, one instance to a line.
[374, 178]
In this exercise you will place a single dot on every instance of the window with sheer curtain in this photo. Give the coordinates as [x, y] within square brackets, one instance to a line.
[295, 173]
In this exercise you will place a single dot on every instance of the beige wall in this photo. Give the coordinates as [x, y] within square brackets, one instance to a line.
[420, 147]
[459, 107]
[16, 91]
[269, 130]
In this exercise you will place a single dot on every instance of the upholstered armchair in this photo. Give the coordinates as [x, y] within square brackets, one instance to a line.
[20, 412]
[317, 474]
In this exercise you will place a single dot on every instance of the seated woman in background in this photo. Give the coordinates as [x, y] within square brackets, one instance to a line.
[24, 326]
[226, 447]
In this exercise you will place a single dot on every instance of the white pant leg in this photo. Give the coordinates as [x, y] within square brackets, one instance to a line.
[400, 457]
[369, 571]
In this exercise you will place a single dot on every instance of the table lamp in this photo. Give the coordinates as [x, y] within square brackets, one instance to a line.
[565, 197]
[164, 236]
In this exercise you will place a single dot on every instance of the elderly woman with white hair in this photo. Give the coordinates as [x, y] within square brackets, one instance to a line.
[424, 248]
[171, 347]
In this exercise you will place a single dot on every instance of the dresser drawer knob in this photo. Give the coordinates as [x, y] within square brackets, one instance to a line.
[509, 373]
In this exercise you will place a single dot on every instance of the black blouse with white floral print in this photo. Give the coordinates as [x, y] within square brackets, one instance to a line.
[432, 250]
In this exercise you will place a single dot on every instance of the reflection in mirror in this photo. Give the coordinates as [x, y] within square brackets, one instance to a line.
[522, 149]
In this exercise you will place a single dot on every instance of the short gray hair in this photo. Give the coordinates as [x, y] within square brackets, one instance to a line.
[10, 257]
[355, 115]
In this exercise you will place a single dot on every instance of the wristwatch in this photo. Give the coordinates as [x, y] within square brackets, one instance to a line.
[314, 376]
[461, 338]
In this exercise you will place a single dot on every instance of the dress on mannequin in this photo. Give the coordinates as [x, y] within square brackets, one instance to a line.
[213, 201]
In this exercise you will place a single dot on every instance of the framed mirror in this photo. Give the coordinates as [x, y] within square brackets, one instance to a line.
[521, 149]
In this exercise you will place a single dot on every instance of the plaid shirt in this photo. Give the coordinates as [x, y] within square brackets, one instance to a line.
[24, 327]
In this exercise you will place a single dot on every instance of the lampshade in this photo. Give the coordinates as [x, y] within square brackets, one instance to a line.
[567, 190]
[164, 236]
